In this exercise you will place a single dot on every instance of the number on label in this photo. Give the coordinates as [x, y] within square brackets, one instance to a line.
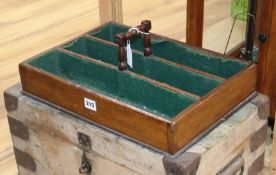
[90, 104]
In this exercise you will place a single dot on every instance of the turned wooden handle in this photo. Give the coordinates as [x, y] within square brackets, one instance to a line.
[121, 39]
[147, 37]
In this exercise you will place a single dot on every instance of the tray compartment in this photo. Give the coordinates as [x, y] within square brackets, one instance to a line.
[150, 67]
[117, 85]
[175, 51]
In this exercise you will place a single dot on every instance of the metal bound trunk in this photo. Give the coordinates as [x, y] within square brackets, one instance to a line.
[48, 140]
[165, 101]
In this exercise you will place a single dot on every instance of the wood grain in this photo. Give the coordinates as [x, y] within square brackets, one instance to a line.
[194, 25]
[209, 109]
[7, 161]
[110, 10]
[267, 61]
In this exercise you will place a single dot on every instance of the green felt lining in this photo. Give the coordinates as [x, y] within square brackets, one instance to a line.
[181, 54]
[118, 85]
[148, 66]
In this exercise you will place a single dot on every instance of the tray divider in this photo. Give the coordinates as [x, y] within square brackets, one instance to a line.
[211, 76]
[164, 85]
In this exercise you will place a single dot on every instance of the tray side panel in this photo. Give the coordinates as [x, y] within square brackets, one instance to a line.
[150, 130]
[202, 114]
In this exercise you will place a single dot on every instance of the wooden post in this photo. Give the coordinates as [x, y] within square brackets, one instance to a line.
[194, 25]
[110, 10]
[267, 61]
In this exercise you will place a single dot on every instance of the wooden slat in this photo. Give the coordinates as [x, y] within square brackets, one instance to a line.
[201, 114]
[194, 23]
[267, 61]
[110, 10]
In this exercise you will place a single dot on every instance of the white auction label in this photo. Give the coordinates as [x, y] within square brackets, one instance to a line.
[90, 104]
[129, 54]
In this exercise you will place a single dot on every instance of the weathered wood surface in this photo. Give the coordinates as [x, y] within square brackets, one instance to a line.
[53, 143]
[215, 156]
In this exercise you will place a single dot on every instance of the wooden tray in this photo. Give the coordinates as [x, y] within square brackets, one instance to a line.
[165, 101]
